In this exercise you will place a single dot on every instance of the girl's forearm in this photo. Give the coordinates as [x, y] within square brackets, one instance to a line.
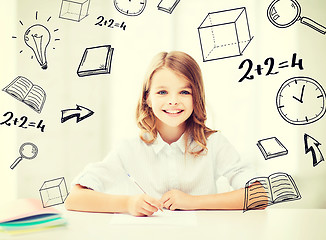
[83, 199]
[233, 200]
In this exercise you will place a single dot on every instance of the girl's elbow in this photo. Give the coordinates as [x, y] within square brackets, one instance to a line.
[72, 198]
[69, 202]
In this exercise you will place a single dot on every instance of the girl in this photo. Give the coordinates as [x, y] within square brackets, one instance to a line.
[175, 161]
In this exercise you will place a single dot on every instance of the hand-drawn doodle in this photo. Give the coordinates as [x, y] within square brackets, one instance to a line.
[96, 60]
[53, 192]
[27, 151]
[23, 123]
[25, 91]
[80, 113]
[224, 34]
[301, 100]
[270, 62]
[130, 7]
[271, 147]
[37, 37]
[312, 145]
[74, 10]
[110, 23]
[167, 5]
[284, 13]
[261, 192]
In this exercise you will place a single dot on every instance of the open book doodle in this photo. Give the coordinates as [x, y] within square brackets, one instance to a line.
[25, 91]
[276, 188]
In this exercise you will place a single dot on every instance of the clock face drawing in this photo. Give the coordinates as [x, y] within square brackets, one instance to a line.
[301, 100]
[130, 7]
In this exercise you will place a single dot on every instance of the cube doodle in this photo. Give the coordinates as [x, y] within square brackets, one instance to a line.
[74, 10]
[224, 34]
[53, 192]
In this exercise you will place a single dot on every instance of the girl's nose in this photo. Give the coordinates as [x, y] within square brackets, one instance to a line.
[173, 101]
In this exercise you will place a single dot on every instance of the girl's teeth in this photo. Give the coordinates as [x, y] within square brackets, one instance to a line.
[176, 111]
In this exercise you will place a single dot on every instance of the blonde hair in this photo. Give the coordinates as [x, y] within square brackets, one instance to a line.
[183, 64]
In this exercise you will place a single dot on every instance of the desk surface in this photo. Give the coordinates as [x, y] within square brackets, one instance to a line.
[271, 223]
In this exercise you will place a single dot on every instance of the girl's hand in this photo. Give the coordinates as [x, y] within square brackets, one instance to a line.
[176, 199]
[143, 205]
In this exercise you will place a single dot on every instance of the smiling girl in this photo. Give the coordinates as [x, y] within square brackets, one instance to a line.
[176, 160]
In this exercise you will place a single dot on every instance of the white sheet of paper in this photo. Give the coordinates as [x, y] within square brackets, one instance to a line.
[181, 218]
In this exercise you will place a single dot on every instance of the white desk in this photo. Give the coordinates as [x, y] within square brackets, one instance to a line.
[271, 223]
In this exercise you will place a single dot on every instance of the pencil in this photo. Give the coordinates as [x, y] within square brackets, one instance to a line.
[139, 186]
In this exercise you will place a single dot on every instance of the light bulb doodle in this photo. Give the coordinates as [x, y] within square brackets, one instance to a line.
[37, 37]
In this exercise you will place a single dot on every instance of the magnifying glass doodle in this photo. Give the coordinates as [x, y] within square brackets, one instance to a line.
[28, 151]
[284, 13]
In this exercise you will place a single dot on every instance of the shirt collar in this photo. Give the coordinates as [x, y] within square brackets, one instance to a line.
[159, 143]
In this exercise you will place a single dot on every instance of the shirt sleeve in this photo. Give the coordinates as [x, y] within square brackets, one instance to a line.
[106, 176]
[229, 164]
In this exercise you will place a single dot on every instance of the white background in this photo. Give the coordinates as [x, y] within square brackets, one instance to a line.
[245, 112]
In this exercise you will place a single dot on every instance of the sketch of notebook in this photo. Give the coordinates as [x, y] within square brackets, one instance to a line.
[271, 147]
[167, 217]
[167, 5]
[279, 187]
[25, 91]
[96, 60]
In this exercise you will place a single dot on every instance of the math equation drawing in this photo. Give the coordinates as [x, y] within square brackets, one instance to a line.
[21, 122]
[224, 34]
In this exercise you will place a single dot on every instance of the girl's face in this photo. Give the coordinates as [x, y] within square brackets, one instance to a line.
[170, 97]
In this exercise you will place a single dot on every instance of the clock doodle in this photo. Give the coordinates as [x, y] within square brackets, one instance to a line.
[130, 7]
[301, 100]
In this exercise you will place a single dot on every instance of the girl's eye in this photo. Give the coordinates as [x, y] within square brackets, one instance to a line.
[162, 92]
[185, 92]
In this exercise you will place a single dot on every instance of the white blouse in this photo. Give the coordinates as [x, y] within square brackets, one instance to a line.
[160, 167]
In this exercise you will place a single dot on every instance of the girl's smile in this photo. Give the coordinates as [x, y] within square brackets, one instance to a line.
[173, 112]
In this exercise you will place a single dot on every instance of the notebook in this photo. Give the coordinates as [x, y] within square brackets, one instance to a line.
[28, 215]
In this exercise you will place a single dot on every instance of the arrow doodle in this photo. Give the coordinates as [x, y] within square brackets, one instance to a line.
[80, 113]
[312, 145]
